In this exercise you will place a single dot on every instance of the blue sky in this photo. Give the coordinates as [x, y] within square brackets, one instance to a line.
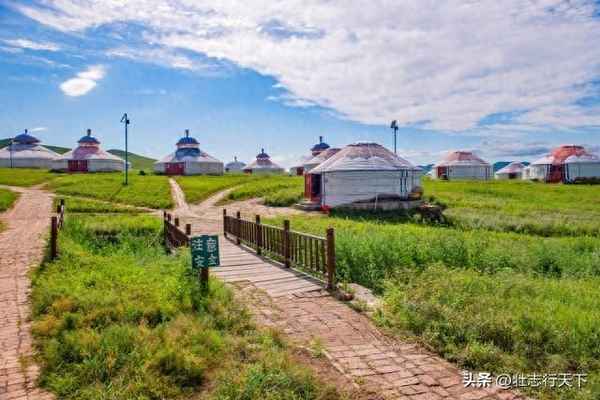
[507, 81]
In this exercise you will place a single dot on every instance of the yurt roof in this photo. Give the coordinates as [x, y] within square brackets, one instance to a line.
[303, 160]
[563, 153]
[363, 157]
[187, 139]
[583, 158]
[465, 158]
[88, 138]
[235, 164]
[190, 154]
[25, 138]
[512, 168]
[27, 151]
[89, 153]
[262, 154]
[263, 161]
[320, 146]
[324, 155]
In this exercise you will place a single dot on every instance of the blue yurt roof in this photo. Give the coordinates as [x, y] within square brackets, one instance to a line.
[187, 139]
[262, 154]
[320, 146]
[88, 138]
[25, 138]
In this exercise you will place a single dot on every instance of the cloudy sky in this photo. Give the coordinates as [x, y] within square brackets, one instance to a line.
[508, 79]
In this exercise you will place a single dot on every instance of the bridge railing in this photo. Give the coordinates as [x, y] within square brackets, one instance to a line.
[309, 253]
[174, 236]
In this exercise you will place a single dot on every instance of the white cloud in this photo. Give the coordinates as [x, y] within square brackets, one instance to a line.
[84, 81]
[31, 45]
[448, 63]
[162, 56]
[38, 129]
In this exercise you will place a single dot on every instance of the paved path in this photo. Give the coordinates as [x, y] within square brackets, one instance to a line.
[307, 313]
[21, 246]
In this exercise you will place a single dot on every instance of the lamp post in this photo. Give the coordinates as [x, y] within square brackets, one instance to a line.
[125, 120]
[394, 127]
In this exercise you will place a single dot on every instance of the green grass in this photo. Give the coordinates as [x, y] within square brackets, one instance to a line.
[7, 199]
[147, 191]
[277, 191]
[114, 317]
[198, 188]
[85, 205]
[24, 177]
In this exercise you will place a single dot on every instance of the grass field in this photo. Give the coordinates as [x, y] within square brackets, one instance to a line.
[147, 191]
[115, 317]
[7, 199]
[82, 205]
[198, 188]
[24, 177]
[277, 191]
[509, 285]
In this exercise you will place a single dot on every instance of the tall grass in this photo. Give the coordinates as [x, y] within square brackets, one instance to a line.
[7, 199]
[198, 188]
[114, 317]
[24, 176]
[146, 191]
[277, 191]
[85, 205]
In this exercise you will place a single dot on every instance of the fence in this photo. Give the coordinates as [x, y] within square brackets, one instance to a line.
[56, 223]
[175, 237]
[310, 253]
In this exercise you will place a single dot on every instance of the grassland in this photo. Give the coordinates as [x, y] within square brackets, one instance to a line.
[24, 177]
[82, 205]
[277, 191]
[198, 188]
[7, 199]
[508, 285]
[146, 191]
[115, 317]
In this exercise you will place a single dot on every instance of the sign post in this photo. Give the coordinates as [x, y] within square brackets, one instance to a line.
[205, 254]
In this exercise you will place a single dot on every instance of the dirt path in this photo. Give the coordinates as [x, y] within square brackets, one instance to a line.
[383, 365]
[21, 247]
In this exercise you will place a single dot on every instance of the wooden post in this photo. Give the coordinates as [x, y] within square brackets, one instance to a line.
[225, 222]
[259, 236]
[188, 229]
[53, 238]
[330, 259]
[177, 222]
[204, 278]
[164, 215]
[168, 217]
[238, 228]
[286, 242]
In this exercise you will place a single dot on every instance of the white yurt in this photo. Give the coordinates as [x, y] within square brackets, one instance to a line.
[319, 158]
[363, 175]
[462, 165]
[88, 157]
[514, 170]
[263, 165]
[25, 151]
[566, 163]
[188, 159]
[235, 166]
[298, 168]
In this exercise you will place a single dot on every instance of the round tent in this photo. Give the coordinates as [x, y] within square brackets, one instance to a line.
[188, 159]
[462, 165]
[25, 151]
[566, 163]
[363, 175]
[88, 157]
[235, 166]
[263, 165]
[514, 170]
[299, 169]
[319, 158]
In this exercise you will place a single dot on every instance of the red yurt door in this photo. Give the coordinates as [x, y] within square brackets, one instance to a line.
[555, 174]
[312, 187]
[78, 166]
[442, 172]
[174, 169]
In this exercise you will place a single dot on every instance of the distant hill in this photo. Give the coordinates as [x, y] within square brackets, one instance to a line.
[137, 161]
[426, 168]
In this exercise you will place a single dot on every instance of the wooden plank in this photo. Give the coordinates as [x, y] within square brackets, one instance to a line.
[295, 284]
[282, 291]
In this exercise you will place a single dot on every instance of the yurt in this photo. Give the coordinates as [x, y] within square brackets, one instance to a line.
[567, 163]
[364, 176]
[88, 157]
[299, 168]
[263, 165]
[25, 151]
[462, 165]
[319, 158]
[514, 170]
[188, 159]
[235, 166]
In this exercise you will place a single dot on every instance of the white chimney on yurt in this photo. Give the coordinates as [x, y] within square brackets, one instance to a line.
[25, 151]
[188, 159]
[88, 157]
[364, 176]
[462, 165]
[263, 165]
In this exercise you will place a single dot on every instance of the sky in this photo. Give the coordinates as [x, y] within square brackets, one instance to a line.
[507, 79]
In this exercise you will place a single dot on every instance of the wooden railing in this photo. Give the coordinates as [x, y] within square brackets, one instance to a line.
[309, 253]
[56, 223]
[174, 236]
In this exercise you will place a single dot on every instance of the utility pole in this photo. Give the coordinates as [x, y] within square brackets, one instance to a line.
[394, 127]
[125, 120]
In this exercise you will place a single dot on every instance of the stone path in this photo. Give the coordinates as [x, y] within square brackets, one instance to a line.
[21, 247]
[310, 315]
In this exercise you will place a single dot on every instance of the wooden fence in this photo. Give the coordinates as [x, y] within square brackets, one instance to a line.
[174, 236]
[313, 254]
[56, 223]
